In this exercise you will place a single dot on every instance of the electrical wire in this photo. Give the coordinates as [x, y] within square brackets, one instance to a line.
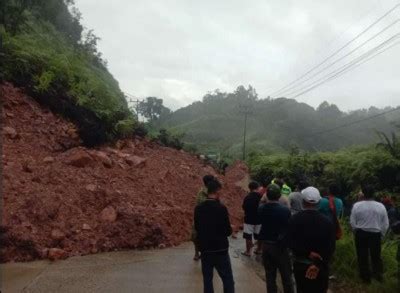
[349, 53]
[337, 51]
[329, 79]
[346, 67]
[352, 123]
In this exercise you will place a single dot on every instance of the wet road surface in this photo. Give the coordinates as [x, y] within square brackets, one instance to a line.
[166, 270]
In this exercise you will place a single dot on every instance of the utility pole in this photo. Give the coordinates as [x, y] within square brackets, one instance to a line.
[133, 104]
[245, 109]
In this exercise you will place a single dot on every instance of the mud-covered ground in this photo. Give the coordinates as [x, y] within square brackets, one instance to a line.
[61, 199]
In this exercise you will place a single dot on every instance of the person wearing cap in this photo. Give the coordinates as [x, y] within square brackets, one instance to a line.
[274, 219]
[311, 238]
[296, 199]
[252, 225]
[211, 221]
[369, 221]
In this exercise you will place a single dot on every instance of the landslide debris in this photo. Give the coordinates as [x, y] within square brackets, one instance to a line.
[61, 199]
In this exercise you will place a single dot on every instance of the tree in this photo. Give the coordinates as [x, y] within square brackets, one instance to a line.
[243, 94]
[392, 146]
[213, 96]
[152, 108]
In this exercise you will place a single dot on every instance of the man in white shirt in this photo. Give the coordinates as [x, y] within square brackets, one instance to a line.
[370, 222]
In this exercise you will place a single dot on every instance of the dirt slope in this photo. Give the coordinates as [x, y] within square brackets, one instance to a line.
[61, 199]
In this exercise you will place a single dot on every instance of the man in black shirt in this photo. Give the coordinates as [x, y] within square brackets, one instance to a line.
[213, 227]
[252, 223]
[311, 236]
[274, 218]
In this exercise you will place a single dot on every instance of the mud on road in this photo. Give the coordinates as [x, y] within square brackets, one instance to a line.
[61, 199]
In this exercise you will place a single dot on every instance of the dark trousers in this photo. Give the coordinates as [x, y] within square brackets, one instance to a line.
[304, 285]
[277, 258]
[222, 263]
[368, 244]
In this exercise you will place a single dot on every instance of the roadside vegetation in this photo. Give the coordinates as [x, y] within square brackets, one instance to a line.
[345, 266]
[379, 164]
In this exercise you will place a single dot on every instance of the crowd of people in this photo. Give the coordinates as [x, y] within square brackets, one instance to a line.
[294, 231]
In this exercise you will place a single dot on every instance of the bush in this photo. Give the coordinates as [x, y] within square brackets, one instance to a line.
[125, 128]
[140, 129]
[55, 69]
[170, 140]
[348, 168]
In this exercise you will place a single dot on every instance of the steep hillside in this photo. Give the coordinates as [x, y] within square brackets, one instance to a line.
[216, 124]
[47, 52]
[61, 199]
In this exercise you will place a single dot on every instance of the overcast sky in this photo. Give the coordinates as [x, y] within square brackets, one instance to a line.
[181, 49]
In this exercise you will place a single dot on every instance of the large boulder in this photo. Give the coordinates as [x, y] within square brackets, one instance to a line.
[105, 159]
[135, 161]
[80, 159]
[57, 253]
[57, 234]
[48, 160]
[108, 214]
[10, 132]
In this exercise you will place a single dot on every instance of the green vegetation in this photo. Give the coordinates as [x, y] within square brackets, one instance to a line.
[349, 168]
[273, 125]
[46, 52]
[346, 269]
[152, 109]
[169, 139]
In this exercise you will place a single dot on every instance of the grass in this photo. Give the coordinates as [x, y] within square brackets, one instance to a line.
[345, 266]
[65, 77]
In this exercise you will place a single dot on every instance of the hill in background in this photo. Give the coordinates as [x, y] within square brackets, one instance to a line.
[216, 124]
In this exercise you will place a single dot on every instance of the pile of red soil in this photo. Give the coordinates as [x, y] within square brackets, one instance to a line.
[61, 199]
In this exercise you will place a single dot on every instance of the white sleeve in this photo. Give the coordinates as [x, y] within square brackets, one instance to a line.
[384, 221]
[353, 218]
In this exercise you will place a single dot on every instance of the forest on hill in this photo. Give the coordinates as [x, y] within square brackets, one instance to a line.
[47, 51]
[216, 124]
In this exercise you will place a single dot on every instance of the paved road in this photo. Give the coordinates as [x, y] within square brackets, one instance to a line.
[167, 270]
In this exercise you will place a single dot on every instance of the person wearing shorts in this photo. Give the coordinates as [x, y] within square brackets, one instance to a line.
[252, 224]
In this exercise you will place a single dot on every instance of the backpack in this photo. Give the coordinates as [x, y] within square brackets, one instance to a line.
[338, 228]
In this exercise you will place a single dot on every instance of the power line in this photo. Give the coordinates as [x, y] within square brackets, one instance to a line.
[340, 35]
[352, 123]
[346, 55]
[337, 51]
[329, 79]
[346, 67]
[373, 56]
[134, 100]
[283, 104]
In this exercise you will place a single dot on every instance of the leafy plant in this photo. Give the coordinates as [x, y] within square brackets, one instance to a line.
[392, 146]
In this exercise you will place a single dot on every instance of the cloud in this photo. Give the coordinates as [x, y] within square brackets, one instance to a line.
[179, 50]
